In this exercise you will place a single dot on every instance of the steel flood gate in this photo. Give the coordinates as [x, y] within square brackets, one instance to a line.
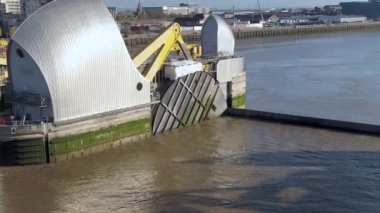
[190, 99]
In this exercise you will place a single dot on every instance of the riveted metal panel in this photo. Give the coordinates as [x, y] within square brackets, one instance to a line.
[79, 51]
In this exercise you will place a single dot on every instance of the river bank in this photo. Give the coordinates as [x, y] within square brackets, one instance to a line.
[272, 32]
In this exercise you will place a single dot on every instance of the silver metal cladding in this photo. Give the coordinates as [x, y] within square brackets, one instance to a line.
[78, 49]
[217, 37]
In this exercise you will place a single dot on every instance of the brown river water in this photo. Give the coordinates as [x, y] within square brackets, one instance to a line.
[235, 165]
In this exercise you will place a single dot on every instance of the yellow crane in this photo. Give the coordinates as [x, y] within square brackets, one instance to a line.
[158, 51]
[3, 61]
[3, 77]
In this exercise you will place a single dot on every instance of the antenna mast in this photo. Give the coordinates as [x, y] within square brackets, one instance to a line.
[261, 12]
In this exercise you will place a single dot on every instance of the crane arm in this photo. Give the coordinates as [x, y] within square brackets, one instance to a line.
[159, 49]
[3, 75]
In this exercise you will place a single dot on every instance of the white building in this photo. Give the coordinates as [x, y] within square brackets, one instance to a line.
[183, 9]
[12, 6]
[342, 19]
[353, 19]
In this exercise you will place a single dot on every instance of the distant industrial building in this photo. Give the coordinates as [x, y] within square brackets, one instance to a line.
[29, 6]
[332, 9]
[197, 19]
[2, 8]
[182, 9]
[370, 9]
[12, 6]
[251, 18]
[342, 19]
[191, 23]
[297, 20]
[9, 23]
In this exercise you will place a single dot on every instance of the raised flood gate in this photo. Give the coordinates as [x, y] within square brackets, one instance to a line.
[190, 99]
[306, 121]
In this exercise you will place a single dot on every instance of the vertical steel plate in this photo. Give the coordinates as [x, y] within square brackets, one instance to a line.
[190, 99]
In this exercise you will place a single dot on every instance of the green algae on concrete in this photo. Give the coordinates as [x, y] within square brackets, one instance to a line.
[239, 101]
[66, 145]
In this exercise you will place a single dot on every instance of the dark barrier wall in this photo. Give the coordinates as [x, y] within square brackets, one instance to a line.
[370, 10]
[306, 121]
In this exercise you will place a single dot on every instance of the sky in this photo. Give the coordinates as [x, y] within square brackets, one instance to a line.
[225, 4]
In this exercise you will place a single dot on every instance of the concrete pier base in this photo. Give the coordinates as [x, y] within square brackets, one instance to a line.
[72, 140]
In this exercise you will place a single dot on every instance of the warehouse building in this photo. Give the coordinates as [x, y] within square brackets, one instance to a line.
[342, 19]
[370, 9]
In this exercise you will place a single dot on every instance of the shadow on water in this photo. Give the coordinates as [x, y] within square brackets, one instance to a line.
[318, 182]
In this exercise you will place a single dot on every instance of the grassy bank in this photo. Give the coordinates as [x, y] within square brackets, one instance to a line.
[59, 146]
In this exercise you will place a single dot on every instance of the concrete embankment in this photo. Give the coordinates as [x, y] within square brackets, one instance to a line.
[305, 121]
[270, 32]
[47, 143]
